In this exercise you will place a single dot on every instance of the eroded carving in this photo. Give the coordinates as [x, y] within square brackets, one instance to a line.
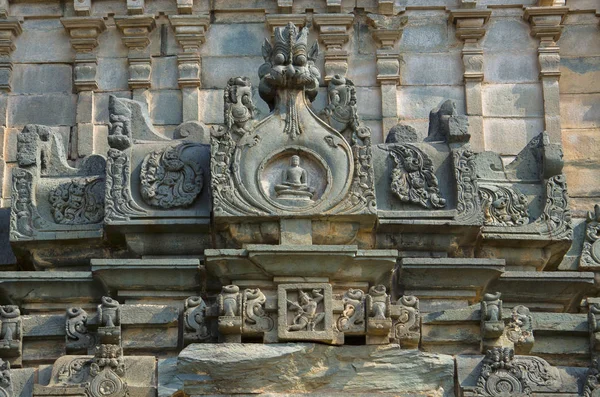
[78, 202]
[230, 316]
[413, 179]
[592, 380]
[520, 329]
[446, 125]
[555, 221]
[74, 372]
[76, 331]
[109, 321]
[492, 325]
[11, 331]
[6, 387]
[194, 319]
[379, 321]
[500, 376]
[352, 319]
[169, 179]
[503, 206]
[24, 217]
[107, 371]
[119, 128]
[407, 326]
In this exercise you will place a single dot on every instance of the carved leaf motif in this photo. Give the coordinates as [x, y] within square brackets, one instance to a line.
[24, 217]
[78, 202]
[503, 206]
[555, 221]
[168, 180]
[413, 180]
[119, 204]
[468, 204]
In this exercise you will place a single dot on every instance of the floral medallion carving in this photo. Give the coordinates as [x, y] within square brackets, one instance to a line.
[169, 179]
[500, 376]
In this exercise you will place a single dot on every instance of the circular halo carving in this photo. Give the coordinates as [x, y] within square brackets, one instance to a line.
[503, 384]
[294, 179]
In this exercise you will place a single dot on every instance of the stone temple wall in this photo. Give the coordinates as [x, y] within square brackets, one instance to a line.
[385, 212]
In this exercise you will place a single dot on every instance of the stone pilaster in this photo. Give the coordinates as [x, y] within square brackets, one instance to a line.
[470, 29]
[334, 33]
[546, 25]
[10, 28]
[190, 33]
[84, 32]
[387, 32]
[285, 5]
[136, 31]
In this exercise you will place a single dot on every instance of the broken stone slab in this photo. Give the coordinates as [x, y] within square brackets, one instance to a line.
[447, 278]
[314, 369]
[337, 263]
[544, 291]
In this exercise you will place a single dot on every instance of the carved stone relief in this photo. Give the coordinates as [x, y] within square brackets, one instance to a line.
[256, 319]
[592, 381]
[76, 331]
[407, 325]
[107, 371]
[500, 376]
[590, 255]
[169, 178]
[520, 329]
[11, 331]
[239, 107]
[492, 325]
[503, 206]
[230, 313]
[305, 312]
[6, 387]
[80, 201]
[352, 318]
[379, 320]
[413, 179]
[468, 201]
[194, 319]
[109, 321]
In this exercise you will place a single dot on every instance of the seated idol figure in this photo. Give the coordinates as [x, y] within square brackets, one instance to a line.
[295, 182]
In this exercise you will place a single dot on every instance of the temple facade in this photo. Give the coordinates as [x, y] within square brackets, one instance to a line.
[299, 197]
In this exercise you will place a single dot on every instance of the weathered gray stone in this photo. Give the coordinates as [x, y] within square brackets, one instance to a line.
[41, 79]
[47, 109]
[301, 367]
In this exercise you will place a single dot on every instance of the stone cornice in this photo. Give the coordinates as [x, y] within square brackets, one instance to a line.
[136, 30]
[84, 32]
[280, 20]
[333, 28]
[9, 29]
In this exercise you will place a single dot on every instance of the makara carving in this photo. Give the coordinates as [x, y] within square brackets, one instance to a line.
[169, 179]
[76, 331]
[413, 179]
[407, 325]
[109, 321]
[194, 318]
[503, 206]
[80, 201]
[353, 316]
[239, 107]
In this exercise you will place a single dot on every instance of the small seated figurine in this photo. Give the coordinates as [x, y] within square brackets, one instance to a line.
[295, 182]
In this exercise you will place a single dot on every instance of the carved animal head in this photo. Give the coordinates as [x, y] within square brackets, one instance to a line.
[289, 64]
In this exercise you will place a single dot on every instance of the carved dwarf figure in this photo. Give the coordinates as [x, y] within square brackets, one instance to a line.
[307, 314]
[230, 319]
[11, 330]
[492, 325]
[295, 182]
[109, 324]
